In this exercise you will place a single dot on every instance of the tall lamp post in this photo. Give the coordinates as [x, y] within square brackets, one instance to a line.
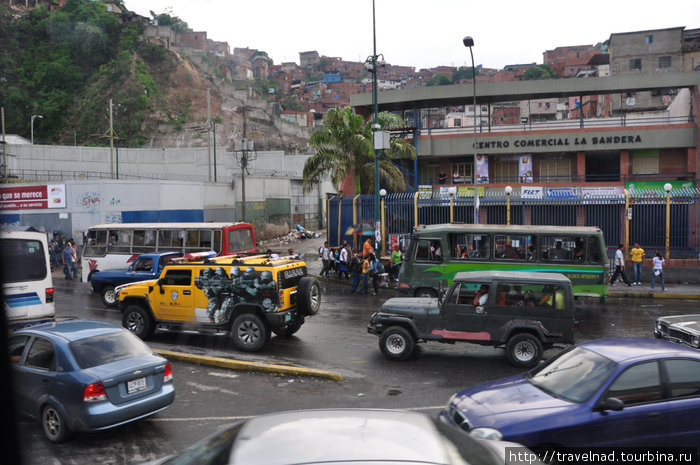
[372, 62]
[508, 190]
[382, 193]
[32, 135]
[469, 42]
[667, 188]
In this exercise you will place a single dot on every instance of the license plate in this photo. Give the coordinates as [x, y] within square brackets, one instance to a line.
[138, 384]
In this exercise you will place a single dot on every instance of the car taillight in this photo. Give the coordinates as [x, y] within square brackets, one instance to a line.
[94, 392]
[281, 298]
[49, 294]
[168, 374]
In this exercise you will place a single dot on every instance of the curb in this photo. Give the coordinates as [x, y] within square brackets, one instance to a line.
[231, 364]
[654, 295]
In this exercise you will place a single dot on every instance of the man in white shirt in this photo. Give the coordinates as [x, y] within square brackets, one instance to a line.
[619, 267]
[324, 252]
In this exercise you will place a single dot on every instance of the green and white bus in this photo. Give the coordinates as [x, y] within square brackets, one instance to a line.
[436, 252]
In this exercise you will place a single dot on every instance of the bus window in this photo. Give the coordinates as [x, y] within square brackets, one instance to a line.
[479, 246]
[559, 248]
[240, 239]
[512, 247]
[119, 241]
[216, 244]
[170, 239]
[96, 243]
[144, 241]
[594, 250]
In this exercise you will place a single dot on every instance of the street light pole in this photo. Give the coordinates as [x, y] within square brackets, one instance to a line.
[508, 190]
[32, 131]
[375, 109]
[468, 41]
[667, 188]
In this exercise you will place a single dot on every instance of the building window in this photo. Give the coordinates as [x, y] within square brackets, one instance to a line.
[505, 171]
[645, 162]
[649, 39]
[665, 62]
[431, 173]
[555, 170]
[464, 169]
[457, 122]
[636, 64]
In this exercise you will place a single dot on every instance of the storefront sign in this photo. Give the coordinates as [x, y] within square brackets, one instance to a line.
[29, 197]
[597, 192]
[562, 193]
[425, 191]
[531, 193]
[464, 191]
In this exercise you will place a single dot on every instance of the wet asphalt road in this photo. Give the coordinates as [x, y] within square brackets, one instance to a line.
[336, 339]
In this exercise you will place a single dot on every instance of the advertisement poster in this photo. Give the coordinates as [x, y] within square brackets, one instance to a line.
[533, 193]
[482, 169]
[525, 168]
[562, 193]
[425, 191]
[31, 197]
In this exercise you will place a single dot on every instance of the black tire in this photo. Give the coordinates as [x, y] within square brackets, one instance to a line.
[287, 331]
[426, 292]
[397, 343]
[108, 296]
[249, 333]
[139, 321]
[308, 296]
[53, 424]
[524, 350]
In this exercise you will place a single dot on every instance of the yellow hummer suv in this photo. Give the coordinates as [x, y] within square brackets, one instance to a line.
[244, 297]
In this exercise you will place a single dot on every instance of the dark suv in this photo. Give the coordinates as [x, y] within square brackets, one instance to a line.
[524, 312]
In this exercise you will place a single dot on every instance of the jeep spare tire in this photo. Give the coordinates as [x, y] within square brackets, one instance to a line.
[308, 296]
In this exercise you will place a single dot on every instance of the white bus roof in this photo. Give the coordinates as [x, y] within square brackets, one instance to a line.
[202, 225]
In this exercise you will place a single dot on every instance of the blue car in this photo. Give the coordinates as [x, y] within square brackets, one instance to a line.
[144, 267]
[609, 392]
[80, 375]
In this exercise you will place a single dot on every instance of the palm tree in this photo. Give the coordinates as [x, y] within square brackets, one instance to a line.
[344, 145]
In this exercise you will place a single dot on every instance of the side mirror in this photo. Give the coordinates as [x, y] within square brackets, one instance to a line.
[611, 403]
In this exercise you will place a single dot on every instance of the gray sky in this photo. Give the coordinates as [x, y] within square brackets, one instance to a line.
[421, 34]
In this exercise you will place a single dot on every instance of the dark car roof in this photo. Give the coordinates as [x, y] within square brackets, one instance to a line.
[72, 330]
[512, 275]
[633, 348]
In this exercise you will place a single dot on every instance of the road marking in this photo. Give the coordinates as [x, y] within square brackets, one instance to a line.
[205, 388]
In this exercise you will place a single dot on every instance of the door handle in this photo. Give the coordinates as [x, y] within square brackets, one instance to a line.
[187, 292]
[654, 414]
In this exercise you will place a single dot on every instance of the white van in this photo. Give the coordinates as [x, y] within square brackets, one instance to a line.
[26, 278]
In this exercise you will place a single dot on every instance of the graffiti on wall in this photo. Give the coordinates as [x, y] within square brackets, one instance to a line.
[88, 201]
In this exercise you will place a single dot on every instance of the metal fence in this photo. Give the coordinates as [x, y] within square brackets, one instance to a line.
[640, 217]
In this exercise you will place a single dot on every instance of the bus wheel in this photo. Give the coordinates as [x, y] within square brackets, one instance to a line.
[426, 292]
[524, 350]
[397, 343]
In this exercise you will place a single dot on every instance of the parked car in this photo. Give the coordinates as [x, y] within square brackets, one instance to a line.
[524, 312]
[144, 267]
[247, 298]
[683, 329]
[337, 436]
[608, 392]
[81, 375]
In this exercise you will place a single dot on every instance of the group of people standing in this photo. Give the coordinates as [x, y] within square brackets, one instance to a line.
[361, 265]
[637, 256]
[64, 252]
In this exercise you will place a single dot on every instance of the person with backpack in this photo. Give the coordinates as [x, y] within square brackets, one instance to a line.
[375, 270]
[324, 254]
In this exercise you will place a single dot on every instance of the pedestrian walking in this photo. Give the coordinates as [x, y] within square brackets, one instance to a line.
[375, 270]
[658, 271]
[324, 253]
[356, 270]
[365, 275]
[619, 266]
[66, 260]
[367, 248]
[344, 266]
[74, 264]
[637, 254]
[395, 262]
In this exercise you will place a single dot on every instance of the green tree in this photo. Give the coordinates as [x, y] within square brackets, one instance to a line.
[344, 145]
[438, 80]
[539, 72]
[167, 19]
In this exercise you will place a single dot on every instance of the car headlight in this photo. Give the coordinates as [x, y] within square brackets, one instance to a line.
[658, 326]
[449, 402]
[487, 433]
[695, 340]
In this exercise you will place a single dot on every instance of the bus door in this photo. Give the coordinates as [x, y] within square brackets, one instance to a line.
[428, 263]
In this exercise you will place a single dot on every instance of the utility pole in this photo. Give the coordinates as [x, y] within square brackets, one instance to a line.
[111, 135]
[208, 125]
[245, 153]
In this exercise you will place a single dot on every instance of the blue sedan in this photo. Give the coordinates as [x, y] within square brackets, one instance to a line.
[80, 375]
[609, 392]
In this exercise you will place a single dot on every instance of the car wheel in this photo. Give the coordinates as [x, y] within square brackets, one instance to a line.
[53, 424]
[137, 320]
[426, 292]
[108, 296]
[397, 343]
[290, 329]
[524, 350]
[249, 333]
[308, 296]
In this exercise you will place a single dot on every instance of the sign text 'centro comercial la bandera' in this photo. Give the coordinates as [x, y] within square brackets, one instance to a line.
[559, 142]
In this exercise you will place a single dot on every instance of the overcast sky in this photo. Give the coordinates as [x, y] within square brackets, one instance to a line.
[422, 34]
